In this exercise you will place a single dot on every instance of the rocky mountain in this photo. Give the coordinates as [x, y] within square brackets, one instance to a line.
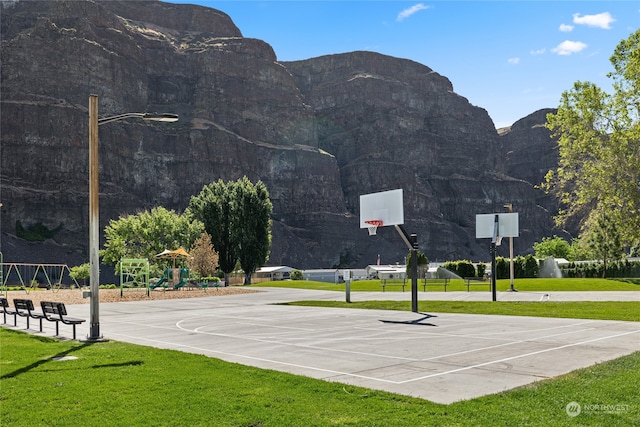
[530, 152]
[319, 133]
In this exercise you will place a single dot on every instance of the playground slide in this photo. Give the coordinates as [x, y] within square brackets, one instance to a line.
[180, 284]
[160, 282]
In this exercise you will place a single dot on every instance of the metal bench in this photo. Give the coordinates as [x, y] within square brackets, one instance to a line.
[6, 310]
[471, 281]
[435, 282]
[57, 312]
[385, 284]
[25, 308]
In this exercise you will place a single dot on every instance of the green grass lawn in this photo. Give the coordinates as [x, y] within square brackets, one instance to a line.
[119, 384]
[529, 285]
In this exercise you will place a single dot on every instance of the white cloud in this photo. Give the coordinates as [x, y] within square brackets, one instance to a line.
[601, 20]
[410, 11]
[513, 61]
[538, 51]
[566, 28]
[569, 47]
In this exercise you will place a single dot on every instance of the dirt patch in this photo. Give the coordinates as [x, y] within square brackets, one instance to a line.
[74, 296]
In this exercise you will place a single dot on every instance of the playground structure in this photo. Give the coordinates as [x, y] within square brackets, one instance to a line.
[32, 276]
[134, 273]
[174, 278]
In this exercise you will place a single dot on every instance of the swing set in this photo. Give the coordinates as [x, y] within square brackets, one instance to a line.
[32, 276]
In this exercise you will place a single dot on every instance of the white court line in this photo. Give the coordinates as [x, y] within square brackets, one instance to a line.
[314, 347]
[487, 336]
[329, 349]
[382, 356]
[480, 365]
[313, 368]
[528, 331]
[503, 345]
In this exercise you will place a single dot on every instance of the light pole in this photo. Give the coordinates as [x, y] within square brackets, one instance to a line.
[94, 216]
[509, 207]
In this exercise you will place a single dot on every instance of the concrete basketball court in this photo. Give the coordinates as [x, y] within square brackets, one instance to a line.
[436, 356]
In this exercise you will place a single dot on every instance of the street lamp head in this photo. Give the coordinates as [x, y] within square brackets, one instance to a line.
[166, 117]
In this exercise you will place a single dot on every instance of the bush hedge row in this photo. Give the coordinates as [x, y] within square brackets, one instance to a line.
[526, 266]
[618, 269]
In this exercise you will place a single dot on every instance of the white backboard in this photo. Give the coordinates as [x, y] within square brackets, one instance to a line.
[507, 225]
[386, 206]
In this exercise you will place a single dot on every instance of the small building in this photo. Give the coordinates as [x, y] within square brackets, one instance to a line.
[332, 275]
[383, 272]
[281, 272]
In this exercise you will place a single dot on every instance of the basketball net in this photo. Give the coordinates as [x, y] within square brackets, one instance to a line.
[372, 226]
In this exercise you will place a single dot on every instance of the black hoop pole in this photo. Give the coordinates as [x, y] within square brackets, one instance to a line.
[494, 243]
[412, 243]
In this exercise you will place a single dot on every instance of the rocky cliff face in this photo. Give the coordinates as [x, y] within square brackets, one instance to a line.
[318, 132]
[529, 152]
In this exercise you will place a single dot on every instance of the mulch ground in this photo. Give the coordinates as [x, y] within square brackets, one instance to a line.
[74, 296]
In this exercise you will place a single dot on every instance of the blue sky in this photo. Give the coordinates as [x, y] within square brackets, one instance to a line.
[508, 57]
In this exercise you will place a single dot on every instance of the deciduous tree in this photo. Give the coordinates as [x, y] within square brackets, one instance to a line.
[599, 148]
[555, 247]
[204, 258]
[253, 218]
[214, 206]
[604, 240]
[148, 233]
[237, 216]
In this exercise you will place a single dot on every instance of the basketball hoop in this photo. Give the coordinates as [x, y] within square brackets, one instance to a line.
[372, 226]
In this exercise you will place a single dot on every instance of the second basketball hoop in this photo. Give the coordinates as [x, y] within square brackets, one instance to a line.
[381, 209]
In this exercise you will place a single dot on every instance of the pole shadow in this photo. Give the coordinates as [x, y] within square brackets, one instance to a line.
[418, 322]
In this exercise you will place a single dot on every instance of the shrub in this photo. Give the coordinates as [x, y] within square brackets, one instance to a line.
[481, 269]
[80, 272]
[502, 268]
[296, 275]
[462, 268]
[518, 267]
[466, 269]
[530, 266]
